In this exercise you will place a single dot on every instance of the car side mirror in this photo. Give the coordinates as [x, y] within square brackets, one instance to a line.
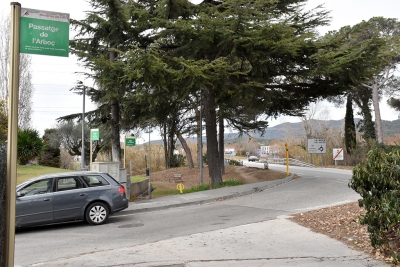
[20, 194]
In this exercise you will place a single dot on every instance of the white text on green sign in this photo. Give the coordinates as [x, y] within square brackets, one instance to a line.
[95, 134]
[130, 141]
[44, 33]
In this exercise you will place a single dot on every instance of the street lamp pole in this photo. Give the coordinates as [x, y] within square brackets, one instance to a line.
[83, 132]
[149, 187]
[201, 140]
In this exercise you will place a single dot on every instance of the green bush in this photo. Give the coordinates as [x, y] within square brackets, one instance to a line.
[29, 145]
[377, 180]
[177, 160]
[235, 162]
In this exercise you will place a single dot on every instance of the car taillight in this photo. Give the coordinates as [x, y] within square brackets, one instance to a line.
[121, 189]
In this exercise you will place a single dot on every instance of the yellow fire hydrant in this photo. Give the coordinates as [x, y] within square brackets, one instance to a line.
[180, 187]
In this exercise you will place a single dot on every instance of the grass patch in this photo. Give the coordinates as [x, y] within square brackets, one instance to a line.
[161, 192]
[25, 172]
[135, 179]
[205, 187]
[168, 192]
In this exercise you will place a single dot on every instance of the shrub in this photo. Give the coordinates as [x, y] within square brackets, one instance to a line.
[236, 162]
[29, 145]
[377, 180]
[177, 160]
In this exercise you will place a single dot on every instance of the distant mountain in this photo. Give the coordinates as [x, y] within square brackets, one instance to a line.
[287, 129]
[283, 130]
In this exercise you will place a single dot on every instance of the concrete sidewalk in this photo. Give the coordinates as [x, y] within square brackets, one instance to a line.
[202, 197]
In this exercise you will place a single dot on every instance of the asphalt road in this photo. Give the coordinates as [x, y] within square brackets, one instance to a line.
[317, 188]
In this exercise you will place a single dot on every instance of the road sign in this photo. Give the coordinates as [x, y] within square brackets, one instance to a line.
[130, 141]
[338, 154]
[230, 152]
[44, 32]
[316, 146]
[247, 153]
[94, 134]
[259, 152]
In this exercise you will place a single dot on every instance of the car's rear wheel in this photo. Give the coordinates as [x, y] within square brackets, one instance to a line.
[97, 213]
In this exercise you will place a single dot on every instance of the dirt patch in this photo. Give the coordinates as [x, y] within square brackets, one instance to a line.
[191, 177]
[341, 223]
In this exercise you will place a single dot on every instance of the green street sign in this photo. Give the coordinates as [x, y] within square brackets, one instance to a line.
[95, 134]
[130, 141]
[44, 33]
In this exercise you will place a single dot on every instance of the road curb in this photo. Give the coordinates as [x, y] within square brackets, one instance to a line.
[259, 188]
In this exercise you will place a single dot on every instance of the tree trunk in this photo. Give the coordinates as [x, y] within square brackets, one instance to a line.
[378, 120]
[166, 154]
[199, 131]
[115, 131]
[210, 117]
[221, 140]
[187, 151]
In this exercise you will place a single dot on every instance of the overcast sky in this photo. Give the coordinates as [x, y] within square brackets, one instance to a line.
[52, 77]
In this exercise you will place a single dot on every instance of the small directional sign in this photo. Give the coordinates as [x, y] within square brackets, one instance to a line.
[316, 146]
[95, 135]
[130, 141]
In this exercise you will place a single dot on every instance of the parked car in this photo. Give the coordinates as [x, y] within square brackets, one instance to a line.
[70, 196]
[253, 158]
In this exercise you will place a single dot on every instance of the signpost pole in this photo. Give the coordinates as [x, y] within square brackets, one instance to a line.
[287, 159]
[91, 148]
[12, 136]
[124, 151]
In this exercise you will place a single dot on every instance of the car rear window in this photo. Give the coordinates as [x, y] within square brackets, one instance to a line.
[69, 183]
[95, 180]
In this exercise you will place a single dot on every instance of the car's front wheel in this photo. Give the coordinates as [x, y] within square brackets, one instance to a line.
[97, 213]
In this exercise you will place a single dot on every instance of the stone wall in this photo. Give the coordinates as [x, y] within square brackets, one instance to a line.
[139, 188]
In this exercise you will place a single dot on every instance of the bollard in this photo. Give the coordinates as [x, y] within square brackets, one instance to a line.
[180, 187]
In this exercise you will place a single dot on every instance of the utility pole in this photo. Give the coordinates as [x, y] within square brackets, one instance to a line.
[83, 132]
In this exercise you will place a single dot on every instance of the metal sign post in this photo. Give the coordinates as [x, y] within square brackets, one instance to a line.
[11, 179]
[287, 159]
[94, 136]
[129, 141]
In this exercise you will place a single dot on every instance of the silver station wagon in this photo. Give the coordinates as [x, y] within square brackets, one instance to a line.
[69, 196]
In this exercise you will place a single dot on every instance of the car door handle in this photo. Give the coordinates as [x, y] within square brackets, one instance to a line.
[46, 199]
[82, 194]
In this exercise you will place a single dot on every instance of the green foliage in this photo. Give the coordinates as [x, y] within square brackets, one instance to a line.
[50, 157]
[377, 180]
[235, 162]
[205, 187]
[205, 158]
[349, 127]
[177, 160]
[29, 145]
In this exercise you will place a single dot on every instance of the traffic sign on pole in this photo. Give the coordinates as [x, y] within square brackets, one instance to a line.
[338, 154]
[130, 141]
[316, 146]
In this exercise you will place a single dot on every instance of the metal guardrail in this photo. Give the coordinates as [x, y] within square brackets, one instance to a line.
[293, 162]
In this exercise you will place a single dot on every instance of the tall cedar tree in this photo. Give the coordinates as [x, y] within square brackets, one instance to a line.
[349, 127]
[106, 32]
[250, 60]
